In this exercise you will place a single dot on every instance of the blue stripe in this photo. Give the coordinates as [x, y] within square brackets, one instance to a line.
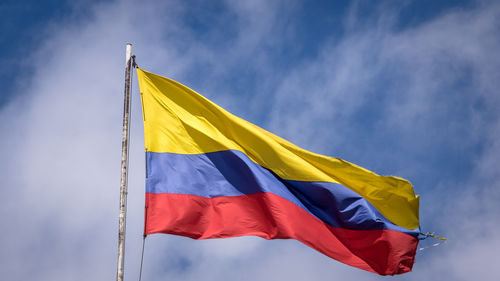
[232, 173]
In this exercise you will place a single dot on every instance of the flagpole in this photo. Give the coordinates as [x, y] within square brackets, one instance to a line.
[124, 176]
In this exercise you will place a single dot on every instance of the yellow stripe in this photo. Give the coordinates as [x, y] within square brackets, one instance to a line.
[179, 120]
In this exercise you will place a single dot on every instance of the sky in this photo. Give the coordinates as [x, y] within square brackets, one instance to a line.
[404, 88]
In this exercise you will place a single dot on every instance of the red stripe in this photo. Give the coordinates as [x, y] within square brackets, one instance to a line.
[269, 216]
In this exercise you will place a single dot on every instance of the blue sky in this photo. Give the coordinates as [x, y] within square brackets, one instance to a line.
[407, 88]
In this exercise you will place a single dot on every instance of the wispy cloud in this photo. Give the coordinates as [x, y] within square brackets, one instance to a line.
[417, 102]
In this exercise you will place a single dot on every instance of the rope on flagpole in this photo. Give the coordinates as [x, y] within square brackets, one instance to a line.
[133, 62]
[142, 256]
[134, 65]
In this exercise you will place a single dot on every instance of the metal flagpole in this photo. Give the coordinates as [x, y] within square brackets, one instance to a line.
[124, 176]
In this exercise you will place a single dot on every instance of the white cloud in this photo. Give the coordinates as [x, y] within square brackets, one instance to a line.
[438, 91]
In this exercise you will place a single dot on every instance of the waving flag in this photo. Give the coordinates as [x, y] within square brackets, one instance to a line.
[211, 174]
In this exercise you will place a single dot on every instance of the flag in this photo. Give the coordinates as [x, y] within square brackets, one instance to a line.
[211, 174]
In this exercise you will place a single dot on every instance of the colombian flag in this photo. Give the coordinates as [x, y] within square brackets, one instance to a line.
[211, 174]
